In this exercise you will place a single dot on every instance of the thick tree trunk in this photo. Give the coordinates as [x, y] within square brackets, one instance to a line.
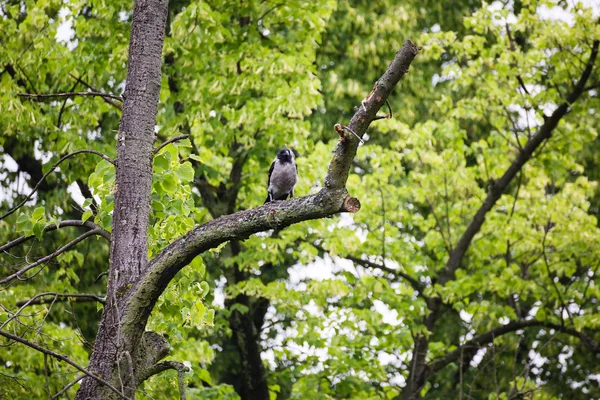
[129, 246]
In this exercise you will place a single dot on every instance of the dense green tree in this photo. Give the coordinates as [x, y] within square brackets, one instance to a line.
[470, 270]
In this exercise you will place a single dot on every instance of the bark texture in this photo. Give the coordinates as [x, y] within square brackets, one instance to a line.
[129, 245]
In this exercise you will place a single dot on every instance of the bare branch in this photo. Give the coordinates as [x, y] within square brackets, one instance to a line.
[70, 94]
[68, 386]
[161, 367]
[51, 227]
[164, 366]
[93, 89]
[173, 139]
[60, 357]
[512, 47]
[418, 286]
[477, 342]
[52, 170]
[78, 297]
[18, 274]
[497, 189]
[345, 151]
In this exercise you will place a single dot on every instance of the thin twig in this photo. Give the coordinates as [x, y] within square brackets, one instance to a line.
[173, 139]
[131, 373]
[93, 89]
[104, 156]
[61, 357]
[46, 374]
[79, 297]
[512, 47]
[64, 103]
[47, 258]
[52, 227]
[68, 386]
[390, 115]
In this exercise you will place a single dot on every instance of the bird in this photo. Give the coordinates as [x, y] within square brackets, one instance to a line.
[283, 176]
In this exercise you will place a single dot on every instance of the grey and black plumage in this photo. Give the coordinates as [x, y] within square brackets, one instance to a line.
[283, 176]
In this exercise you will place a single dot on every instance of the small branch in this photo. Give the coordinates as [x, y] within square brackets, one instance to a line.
[79, 297]
[51, 227]
[512, 48]
[47, 375]
[105, 157]
[17, 275]
[390, 115]
[161, 367]
[68, 386]
[416, 285]
[60, 357]
[64, 103]
[131, 373]
[173, 139]
[93, 89]
[592, 87]
[488, 337]
[70, 94]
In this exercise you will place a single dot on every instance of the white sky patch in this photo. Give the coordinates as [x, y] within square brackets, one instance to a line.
[19, 186]
[219, 293]
[75, 193]
[320, 269]
[478, 357]
[389, 316]
[65, 32]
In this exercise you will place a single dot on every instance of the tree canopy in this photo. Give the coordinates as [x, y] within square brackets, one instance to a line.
[463, 262]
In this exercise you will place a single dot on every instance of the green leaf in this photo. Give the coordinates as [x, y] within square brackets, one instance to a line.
[169, 183]
[38, 230]
[185, 172]
[160, 163]
[86, 215]
[37, 214]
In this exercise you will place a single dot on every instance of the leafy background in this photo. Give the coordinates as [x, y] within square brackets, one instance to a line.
[325, 300]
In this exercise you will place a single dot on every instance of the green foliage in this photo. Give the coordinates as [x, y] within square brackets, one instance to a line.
[244, 79]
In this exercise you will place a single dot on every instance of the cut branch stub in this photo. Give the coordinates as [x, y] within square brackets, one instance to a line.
[351, 205]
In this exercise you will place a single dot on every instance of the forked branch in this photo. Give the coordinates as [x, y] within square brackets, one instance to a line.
[104, 156]
[45, 259]
[332, 199]
[60, 357]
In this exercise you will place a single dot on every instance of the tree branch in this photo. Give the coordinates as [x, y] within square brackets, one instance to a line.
[51, 227]
[68, 386]
[497, 189]
[332, 199]
[415, 284]
[79, 297]
[476, 343]
[173, 139]
[161, 367]
[61, 358]
[93, 89]
[70, 94]
[12, 210]
[17, 275]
